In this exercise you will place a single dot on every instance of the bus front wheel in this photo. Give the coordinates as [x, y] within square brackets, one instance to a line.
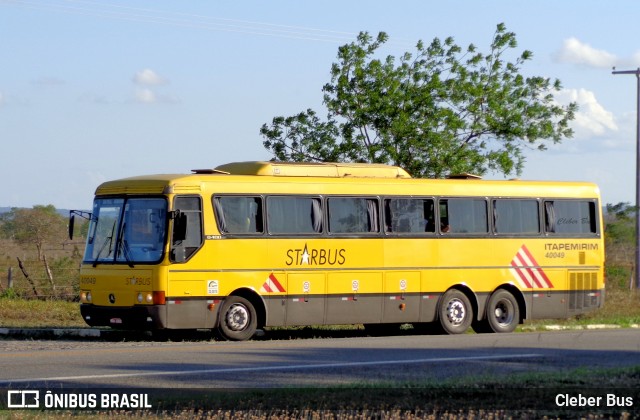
[455, 312]
[238, 320]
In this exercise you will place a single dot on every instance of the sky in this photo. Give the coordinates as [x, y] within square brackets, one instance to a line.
[97, 90]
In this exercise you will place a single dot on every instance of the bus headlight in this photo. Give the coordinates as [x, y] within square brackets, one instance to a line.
[85, 296]
[144, 297]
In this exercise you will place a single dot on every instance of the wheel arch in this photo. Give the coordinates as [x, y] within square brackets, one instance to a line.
[517, 294]
[256, 300]
[470, 294]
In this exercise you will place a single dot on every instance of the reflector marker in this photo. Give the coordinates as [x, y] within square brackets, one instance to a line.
[272, 285]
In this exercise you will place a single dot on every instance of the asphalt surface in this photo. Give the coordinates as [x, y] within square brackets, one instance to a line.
[345, 369]
[115, 359]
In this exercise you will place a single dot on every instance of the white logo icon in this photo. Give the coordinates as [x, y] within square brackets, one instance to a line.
[23, 399]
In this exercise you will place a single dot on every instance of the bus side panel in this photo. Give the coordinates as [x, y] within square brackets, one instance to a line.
[354, 297]
[186, 302]
[550, 301]
[272, 286]
[307, 299]
[428, 306]
[401, 300]
[276, 310]
[187, 314]
[430, 292]
[586, 291]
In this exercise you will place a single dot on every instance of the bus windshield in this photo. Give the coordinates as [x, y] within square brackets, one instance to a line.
[127, 230]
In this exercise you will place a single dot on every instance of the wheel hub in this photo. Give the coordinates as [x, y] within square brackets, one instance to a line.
[503, 313]
[237, 317]
[456, 312]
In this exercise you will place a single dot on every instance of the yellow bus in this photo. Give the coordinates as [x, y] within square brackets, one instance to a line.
[250, 245]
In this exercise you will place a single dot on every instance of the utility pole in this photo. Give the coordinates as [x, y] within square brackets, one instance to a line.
[636, 270]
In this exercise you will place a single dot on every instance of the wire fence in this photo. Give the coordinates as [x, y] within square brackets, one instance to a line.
[34, 279]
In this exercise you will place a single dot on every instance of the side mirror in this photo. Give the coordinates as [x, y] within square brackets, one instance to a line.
[72, 220]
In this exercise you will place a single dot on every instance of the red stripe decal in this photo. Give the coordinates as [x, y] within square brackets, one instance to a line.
[275, 283]
[527, 269]
[524, 265]
[521, 275]
[539, 271]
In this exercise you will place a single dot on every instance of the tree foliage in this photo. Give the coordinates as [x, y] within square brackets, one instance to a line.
[620, 224]
[441, 109]
[620, 241]
[36, 226]
[620, 233]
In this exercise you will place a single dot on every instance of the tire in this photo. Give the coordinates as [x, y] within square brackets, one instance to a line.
[455, 312]
[238, 320]
[503, 312]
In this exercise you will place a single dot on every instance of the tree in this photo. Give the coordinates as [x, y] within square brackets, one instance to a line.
[34, 226]
[439, 110]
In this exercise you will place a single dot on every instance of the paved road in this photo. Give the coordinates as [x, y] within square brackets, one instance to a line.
[328, 361]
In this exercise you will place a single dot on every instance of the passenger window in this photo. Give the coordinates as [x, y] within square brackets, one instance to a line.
[239, 215]
[294, 215]
[516, 217]
[409, 215]
[463, 215]
[571, 217]
[353, 215]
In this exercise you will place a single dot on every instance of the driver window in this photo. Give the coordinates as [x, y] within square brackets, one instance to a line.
[191, 210]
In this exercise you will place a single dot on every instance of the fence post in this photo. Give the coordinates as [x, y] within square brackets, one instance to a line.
[48, 270]
[10, 278]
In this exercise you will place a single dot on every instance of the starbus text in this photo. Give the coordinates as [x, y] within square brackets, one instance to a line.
[316, 256]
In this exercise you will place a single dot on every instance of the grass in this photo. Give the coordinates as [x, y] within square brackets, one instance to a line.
[29, 313]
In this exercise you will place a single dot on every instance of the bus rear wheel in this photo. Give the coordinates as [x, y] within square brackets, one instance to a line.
[503, 313]
[238, 319]
[455, 312]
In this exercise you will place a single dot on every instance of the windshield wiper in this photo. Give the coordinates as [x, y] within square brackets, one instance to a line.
[122, 247]
[108, 240]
